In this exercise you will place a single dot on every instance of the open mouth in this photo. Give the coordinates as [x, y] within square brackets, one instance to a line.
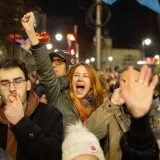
[80, 89]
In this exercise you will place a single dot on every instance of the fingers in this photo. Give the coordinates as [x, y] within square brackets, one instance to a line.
[147, 76]
[154, 82]
[12, 98]
[142, 73]
[27, 16]
[131, 77]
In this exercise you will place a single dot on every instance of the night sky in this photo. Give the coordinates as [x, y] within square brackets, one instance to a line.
[129, 23]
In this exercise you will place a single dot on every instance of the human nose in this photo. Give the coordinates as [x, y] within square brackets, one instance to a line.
[53, 64]
[80, 78]
[11, 86]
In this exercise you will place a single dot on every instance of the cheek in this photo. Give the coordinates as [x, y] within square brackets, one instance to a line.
[88, 82]
[73, 84]
[74, 80]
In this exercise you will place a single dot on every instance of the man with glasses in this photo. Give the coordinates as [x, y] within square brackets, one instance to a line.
[61, 61]
[29, 129]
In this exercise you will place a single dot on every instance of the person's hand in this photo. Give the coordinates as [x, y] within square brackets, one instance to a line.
[138, 94]
[117, 97]
[14, 110]
[28, 21]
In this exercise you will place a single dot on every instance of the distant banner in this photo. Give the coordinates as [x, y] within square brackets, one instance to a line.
[151, 4]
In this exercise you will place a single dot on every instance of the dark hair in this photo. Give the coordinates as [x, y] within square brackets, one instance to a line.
[14, 63]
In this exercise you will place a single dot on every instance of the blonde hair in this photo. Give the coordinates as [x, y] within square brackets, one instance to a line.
[106, 87]
[95, 82]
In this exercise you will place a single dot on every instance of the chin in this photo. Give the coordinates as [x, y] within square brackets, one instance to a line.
[80, 96]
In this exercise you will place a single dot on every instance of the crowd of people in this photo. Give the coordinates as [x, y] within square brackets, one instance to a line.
[69, 111]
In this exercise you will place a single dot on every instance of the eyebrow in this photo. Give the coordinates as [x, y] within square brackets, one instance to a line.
[82, 73]
[6, 80]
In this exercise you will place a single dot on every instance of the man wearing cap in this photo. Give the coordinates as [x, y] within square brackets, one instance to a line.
[51, 71]
[61, 61]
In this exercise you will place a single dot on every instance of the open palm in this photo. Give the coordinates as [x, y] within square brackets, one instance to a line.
[138, 94]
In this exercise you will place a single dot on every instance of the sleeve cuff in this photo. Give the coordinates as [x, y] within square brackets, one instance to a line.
[39, 45]
[25, 128]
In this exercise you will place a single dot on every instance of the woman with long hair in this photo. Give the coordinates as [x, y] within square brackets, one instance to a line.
[76, 98]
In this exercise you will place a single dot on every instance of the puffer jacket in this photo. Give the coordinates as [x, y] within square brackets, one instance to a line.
[56, 88]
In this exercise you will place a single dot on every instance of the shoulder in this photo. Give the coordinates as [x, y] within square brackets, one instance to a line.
[108, 105]
[46, 108]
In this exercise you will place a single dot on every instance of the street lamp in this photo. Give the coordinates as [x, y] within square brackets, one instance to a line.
[87, 61]
[92, 59]
[156, 56]
[49, 46]
[147, 42]
[58, 37]
[110, 58]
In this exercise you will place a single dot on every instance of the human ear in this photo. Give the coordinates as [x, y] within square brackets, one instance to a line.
[28, 83]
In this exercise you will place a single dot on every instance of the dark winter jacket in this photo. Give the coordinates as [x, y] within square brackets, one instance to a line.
[139, 141]
[39, 137]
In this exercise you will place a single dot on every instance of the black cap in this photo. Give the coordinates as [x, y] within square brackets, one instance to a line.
[69, 59]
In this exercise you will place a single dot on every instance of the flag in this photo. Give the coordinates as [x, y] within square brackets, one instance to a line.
[22, 41]
[151, 4]
[110, 2]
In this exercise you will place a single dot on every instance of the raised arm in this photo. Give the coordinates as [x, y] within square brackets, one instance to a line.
[138, 94]
[45, 72]
[28, 21]
[139, 141]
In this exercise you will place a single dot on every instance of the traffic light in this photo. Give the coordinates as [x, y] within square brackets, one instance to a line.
[71, 44]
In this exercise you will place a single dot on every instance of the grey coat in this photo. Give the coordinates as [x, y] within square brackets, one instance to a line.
[56, 88]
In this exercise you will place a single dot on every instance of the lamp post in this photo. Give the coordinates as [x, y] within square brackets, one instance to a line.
[147, 42]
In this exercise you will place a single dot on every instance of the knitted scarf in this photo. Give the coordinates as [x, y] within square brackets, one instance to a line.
[84, 108]
[32, 104]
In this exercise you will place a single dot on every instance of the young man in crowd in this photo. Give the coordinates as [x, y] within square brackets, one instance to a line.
[61, 61]
[30, 129]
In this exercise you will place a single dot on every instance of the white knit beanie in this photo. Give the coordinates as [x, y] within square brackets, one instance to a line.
[79, 141]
